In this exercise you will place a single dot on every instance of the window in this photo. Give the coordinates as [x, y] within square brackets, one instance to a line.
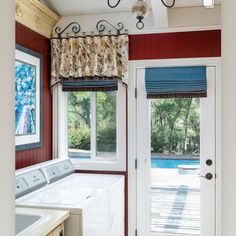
[90, 128]
[91, 125]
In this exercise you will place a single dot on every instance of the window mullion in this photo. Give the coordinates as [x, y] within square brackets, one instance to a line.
[62, 146]
[93, 125]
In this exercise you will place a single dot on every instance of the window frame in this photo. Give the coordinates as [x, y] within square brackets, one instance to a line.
[60, 142]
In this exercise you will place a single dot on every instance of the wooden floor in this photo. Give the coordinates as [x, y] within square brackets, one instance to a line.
[175, 204]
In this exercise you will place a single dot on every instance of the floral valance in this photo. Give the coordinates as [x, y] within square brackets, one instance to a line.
[100, 58]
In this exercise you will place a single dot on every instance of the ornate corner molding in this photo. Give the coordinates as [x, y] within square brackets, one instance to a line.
[36, 16]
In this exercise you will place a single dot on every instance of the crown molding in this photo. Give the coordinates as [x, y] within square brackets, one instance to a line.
[36, 16]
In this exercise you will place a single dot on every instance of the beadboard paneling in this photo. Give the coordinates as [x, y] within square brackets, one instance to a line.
[175, 45]
[36, 42]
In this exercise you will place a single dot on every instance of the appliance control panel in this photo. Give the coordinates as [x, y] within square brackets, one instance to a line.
[59, 170]
[28, 182]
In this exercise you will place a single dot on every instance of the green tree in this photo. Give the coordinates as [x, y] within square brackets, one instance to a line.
[175, 126]
[79, 121]
[175, 123]
[106, 121]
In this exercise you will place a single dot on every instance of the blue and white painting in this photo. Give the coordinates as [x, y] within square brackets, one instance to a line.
[25, 98]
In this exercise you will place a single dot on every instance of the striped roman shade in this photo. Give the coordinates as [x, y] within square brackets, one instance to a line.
[176, 82]
[90, 85]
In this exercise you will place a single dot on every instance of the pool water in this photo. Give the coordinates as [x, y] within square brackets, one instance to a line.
[172, 163]
[155, 162]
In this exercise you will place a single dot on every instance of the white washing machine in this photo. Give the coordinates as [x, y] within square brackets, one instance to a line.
[89, 198]
[113, 185]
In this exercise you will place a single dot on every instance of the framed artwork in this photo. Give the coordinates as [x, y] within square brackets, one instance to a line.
[28, 111]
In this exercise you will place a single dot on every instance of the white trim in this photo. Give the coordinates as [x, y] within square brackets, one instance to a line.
[93, 131]
[54, 91]
[143, 153]
[132, 183]
[175, 30]
[121, 125]
[208, 150]
[59, 100]
[62, 123]
[133, 66]
[218, 123]
[60, 132]
[136, 64]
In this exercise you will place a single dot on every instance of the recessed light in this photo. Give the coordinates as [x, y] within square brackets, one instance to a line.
[208, 3]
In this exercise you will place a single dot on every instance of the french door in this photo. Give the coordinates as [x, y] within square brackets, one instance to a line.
[179, 200]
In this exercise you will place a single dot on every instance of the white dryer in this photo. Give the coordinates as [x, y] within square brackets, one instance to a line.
[112, 184]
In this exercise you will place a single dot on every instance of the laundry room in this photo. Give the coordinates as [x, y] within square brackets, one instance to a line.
[118, 118]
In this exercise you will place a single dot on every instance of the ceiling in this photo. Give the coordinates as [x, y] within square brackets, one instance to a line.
[83, 7]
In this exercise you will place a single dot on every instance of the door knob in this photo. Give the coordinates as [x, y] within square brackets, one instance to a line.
[208, 176]
[209, 162]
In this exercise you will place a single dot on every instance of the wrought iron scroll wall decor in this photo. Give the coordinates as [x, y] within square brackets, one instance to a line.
[75, 29]
[101, 26]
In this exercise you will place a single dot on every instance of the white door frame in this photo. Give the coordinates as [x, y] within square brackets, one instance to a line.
[132, 109]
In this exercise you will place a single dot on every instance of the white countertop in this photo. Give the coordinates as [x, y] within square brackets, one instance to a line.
[50, 220]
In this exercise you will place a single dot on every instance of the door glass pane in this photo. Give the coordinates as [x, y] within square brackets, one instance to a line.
[106, 124]
[175, 165]
[79, 124]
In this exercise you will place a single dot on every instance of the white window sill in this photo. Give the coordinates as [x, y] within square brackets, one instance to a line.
[98, 165]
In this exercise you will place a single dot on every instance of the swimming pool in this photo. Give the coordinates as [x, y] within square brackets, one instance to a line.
[156, 161]
[172, 163]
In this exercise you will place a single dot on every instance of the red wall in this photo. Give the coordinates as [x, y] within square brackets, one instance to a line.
[40, 44]
[175, 45]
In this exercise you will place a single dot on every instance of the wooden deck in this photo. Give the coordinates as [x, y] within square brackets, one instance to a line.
[175, 204]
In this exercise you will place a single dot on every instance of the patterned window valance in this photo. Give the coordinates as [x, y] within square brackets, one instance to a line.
[95, 58]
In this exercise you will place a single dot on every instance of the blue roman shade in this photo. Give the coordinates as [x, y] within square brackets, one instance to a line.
[90, 85]
[176, 82]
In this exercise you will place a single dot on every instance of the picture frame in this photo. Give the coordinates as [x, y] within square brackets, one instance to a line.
[28, 107]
